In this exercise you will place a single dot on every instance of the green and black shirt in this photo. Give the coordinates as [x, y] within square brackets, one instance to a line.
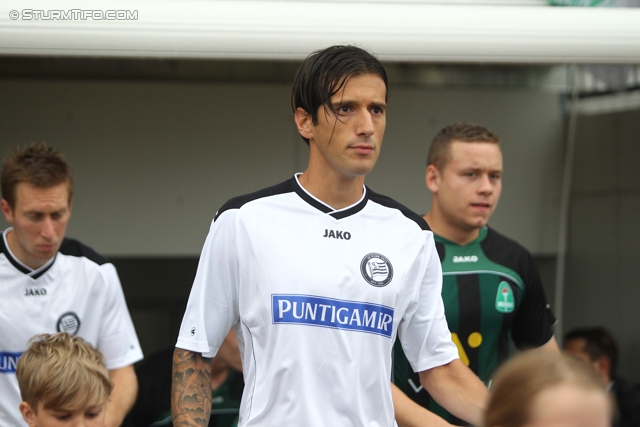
[492, 294]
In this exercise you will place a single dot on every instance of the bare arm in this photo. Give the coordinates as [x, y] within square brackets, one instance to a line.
[190, 389]
[123, 396]
[457, 389]
[410, 414]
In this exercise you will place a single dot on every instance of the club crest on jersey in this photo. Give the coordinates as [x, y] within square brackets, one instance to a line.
[505, 303]
[332, 313]
[376, 269]
[69, 322]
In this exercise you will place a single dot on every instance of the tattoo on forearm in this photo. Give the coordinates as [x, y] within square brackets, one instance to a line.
[190, 389]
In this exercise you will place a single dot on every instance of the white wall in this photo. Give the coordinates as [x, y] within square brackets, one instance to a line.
[154, 160]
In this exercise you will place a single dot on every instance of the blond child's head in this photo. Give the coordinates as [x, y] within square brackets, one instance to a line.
[537, 389]
[62, 377]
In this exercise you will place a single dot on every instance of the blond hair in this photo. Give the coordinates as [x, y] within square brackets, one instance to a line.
[62, 372]
[518, 382]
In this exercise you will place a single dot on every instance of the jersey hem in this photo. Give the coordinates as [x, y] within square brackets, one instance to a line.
[194, 346]
[435, 363]
[124, 362]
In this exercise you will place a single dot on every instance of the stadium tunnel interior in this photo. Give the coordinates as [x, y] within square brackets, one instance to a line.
[158, 145]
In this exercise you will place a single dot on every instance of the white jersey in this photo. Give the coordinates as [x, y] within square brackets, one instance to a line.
[76, 292]
[317, 297]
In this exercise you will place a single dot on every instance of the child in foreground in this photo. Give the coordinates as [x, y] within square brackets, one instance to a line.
[62, 380]
[543, 390]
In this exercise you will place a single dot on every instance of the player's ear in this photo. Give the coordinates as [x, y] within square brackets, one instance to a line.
[7, 211]
[603, 365]
[432, 178]
[28, 413]
[304, 122]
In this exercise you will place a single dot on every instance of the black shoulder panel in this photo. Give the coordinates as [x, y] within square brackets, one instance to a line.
[73, 247]
[239, 201]
[505, 251]
[390, 203]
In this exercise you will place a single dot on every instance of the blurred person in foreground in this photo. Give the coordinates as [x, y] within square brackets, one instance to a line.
[545, 390]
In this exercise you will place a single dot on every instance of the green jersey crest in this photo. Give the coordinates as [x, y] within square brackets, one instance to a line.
[505, 302]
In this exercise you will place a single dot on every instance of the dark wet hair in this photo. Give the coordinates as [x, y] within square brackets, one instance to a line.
[324, 73]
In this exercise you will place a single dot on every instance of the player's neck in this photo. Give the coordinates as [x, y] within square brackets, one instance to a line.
[22, 255]
[443, 228]
[335, 191]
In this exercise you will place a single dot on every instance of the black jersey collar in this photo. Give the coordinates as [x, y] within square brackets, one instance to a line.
[323, 207]
[34, 274]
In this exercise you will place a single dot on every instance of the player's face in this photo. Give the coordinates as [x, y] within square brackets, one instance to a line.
[39, 219]
[45, 417]
[570, 406]
[468, 188]
[347, 145]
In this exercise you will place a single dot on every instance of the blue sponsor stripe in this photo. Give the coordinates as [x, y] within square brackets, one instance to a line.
[8, 362]
[332, 313]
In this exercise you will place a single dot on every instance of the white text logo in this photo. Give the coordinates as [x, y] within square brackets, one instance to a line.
[471, 258]
[74, 15]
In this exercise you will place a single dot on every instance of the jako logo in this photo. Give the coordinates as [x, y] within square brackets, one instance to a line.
[332, 313]
[337, 234]
[471, 258]
[34, 291]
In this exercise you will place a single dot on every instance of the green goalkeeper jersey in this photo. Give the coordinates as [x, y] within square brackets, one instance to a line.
[492, 295]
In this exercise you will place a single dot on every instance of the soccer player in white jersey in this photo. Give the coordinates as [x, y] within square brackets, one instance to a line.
[51, 284]
[318, 275]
